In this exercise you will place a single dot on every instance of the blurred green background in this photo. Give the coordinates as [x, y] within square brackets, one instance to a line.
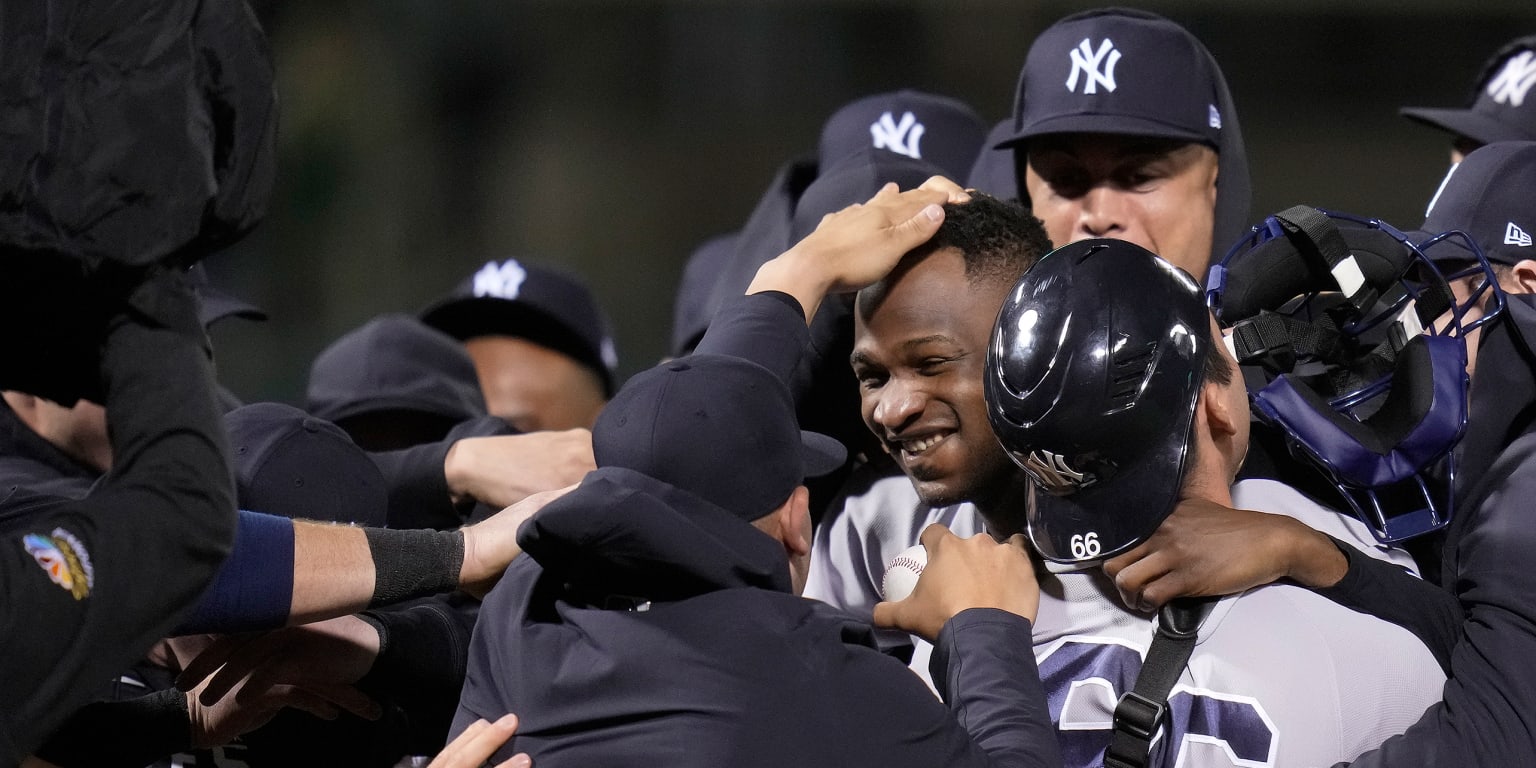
[420, 138]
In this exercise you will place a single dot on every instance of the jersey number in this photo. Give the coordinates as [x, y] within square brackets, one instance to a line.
[1083, 680]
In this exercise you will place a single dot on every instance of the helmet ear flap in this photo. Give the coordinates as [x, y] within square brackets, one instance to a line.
[1420, 418]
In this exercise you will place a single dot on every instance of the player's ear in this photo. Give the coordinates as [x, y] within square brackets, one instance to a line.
[1220, 417]
[1523, 277]
[796, 522]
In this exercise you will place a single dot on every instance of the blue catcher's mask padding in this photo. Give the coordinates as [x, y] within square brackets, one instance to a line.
[1363, 347]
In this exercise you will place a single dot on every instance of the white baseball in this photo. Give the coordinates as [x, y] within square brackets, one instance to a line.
[901, 575]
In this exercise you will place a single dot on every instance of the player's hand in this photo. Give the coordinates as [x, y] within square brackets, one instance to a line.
[237, 683]
[491, 544]
[503, 470]
[962, 574]
[953, 192]
[478, 742]
[854, 247]
[1207, 549]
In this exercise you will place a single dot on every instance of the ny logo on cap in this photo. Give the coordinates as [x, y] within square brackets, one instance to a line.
[1514, 80]
[901, 138]
[502, 281]
[1514, 235]
[1050, 470]
[1098, 69]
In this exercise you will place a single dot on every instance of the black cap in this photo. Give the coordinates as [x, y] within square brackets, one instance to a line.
[690, 308]
[291, 464]
[543, 305]
[1122, 72]
[394, 363]
[718, 427]
[993, 172]
[1502, 105]
[855, 179]
[1488, 196]
[216, 304]
[1095, 367]
[923, 126]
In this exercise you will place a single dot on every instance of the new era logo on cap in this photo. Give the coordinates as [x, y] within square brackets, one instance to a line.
[1514, 235]
[901, 138]
[1097, 67]
[1514, 80]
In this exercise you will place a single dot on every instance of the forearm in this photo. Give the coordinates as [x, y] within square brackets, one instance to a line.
[423, 656]
[799, 274]
[1388, 592]
[419, 495]
[768, 328]
[984, 667]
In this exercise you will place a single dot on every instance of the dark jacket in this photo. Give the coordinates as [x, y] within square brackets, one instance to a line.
[91, 583]
[648, 627]
[1488, 716]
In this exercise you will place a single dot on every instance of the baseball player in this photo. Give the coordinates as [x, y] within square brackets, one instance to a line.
[920, 362]
[1486, 715]
[1497, 107]
[655, 620]
[1107, 144]
[541, 345]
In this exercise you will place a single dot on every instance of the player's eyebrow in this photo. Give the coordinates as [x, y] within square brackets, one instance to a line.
[936, 338]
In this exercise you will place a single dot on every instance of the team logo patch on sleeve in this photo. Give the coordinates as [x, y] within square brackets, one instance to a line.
[64, 559]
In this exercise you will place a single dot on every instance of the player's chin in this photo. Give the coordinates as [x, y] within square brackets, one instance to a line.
[940, 492]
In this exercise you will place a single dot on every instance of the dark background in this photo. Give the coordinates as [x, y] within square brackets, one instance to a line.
[420, 138]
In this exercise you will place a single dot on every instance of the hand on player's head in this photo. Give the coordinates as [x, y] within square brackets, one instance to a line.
[962, 574]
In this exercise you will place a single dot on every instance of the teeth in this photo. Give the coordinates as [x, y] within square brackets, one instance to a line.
[918, 446]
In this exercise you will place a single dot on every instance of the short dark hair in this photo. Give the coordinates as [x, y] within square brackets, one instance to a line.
[1218, 368]
[998, 239]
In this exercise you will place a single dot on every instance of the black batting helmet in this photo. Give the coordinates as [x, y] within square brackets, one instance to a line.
[1095, 367]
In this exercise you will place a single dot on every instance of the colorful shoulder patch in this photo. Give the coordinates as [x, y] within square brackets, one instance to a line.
[64, 559]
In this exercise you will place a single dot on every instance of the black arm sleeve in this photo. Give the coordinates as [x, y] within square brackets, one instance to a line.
[423, 656]
[1390, 593]
[418, 490]
[91, 584]
[122, 734]
[767, 328]
[1486, 717]
[984, 666]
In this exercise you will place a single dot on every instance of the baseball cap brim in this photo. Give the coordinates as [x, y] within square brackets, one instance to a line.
[820, 454]
[1089, 525]
[466, 317]
[1449, 250]
[217, 305]
[1469, 123]
[1119, 125]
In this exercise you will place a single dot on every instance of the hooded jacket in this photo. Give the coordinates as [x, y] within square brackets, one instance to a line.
[650, 627]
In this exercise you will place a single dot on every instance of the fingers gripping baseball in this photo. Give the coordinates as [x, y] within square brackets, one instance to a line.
[961, 574]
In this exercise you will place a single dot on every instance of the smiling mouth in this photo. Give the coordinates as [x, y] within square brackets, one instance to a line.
[913, 449]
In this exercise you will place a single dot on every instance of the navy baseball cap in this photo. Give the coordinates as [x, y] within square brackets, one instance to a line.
[394, 363]
[216, 304]
[546, 306]
[1500, 108]
[719, 427]
[855, 179]
[691, 309]
[993, 172]
[292, 464]
[1488, 196]
[923, 126]
[1118, 71]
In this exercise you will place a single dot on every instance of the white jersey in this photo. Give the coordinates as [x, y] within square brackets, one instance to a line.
[1280, 676]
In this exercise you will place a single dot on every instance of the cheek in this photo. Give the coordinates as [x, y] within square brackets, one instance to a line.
[1058, 214]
